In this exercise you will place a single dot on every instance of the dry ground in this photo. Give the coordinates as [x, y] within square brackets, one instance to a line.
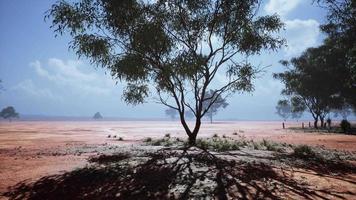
[30, 150]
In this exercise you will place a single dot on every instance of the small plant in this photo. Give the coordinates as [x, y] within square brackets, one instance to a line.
[224, 136]
[109, 136]
[105, 159]
[120, 139]
[114, 136]
[304, 151]
[234, 133]
[215, 135]
[148, 139]
[167, 135]
[345, 126]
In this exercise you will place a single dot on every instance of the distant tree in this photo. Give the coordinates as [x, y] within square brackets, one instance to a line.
[9, 113]
[311, 83]
[287, 109]
[172, 113]
[284, 109]
[219, 103]
[340, 29]
[344, 111]
[97, 116]
[171, 46]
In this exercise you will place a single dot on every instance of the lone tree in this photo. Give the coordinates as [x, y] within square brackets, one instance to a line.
[9, 113]
[312, 82]
[97, 116]
[220, 102]
[176, 47]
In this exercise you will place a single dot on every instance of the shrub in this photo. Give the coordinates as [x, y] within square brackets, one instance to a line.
[120, 139]
[345, 126]
[105, 159]
[147, 139]
[167, 135]
[304, 151]
[271, 146]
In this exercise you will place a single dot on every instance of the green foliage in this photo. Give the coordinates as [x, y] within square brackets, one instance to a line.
[148, 139]
[313, 81]
[345, 126]
[340, 28]
[304, 152]
[213, 103]
[159, 43]
[9, 113]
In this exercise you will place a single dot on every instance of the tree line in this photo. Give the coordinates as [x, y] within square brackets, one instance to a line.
[323, 79]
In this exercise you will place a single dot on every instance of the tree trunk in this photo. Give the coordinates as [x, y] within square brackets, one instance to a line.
[322, 122]
[316, 123]
[211, 119]
[193, 136]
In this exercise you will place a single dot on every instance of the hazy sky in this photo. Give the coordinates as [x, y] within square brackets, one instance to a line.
[41, 76]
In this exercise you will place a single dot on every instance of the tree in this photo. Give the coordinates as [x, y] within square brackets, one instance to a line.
[9, 113]
[97, 116]
[340, 28]
[172, 113]
[214, 108]
[177, 47]
[286, 109]
[344, 111]
[312, 82]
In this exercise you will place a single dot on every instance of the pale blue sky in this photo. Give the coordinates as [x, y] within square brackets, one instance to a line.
[42, 77]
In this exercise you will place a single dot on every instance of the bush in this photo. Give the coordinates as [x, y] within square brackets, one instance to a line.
[147, 139]
[304, 151]
[345, 126]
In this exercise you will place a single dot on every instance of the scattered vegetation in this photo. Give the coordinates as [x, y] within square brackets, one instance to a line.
[345, 126]
[105, 159]
[219, 144]
[304, 152]
[120, 139]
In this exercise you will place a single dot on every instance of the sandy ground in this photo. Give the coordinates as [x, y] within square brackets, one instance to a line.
[30, 150]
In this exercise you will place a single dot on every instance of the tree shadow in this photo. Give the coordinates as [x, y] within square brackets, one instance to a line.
[169, 174]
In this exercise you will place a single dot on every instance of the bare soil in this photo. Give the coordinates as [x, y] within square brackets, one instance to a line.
[31, 150]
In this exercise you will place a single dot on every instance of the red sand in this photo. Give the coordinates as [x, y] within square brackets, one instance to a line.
[23, 144]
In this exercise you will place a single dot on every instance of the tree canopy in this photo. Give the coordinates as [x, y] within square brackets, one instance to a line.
[340, 28]
[9, 113]
[287, 109]
[220, 102]
[176, 47]
[313, 81]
